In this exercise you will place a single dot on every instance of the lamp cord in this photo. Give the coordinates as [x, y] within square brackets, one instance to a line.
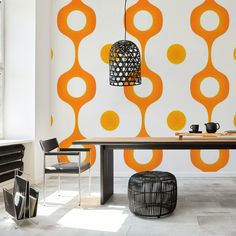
[125, 17]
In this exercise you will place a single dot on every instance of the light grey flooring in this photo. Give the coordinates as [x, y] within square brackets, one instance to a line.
[206, 206]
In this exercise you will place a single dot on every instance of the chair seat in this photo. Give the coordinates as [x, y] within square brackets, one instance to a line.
[70, 167]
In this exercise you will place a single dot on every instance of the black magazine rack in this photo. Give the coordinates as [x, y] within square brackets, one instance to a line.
[21, 202]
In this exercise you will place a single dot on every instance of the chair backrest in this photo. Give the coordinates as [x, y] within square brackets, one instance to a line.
[49, 145]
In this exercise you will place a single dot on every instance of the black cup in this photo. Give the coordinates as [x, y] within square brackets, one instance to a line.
[212, 127]
[194, 128]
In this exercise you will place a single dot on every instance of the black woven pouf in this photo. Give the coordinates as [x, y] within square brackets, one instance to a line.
[152, 193]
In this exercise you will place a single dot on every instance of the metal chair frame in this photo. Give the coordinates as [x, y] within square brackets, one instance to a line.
[51, 144]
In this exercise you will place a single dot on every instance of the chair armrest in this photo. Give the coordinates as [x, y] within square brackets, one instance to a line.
[62, 153]
[76, 149]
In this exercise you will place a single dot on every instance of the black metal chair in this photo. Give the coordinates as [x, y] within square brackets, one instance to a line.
[64, 167]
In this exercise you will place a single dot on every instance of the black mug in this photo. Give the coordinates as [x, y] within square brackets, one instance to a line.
[212, 127]
[194, 128]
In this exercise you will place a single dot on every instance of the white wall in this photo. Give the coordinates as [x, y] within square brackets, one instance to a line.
[19, 83]
[26, 101]
[175, 110]
[19, 117]
[42, 81]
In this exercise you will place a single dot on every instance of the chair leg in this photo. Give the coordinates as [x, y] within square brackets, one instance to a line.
[44, 188]
[59, 184]
[90, 181]
[90, 174]
[79, 192]
[44, 180]
[79, 189]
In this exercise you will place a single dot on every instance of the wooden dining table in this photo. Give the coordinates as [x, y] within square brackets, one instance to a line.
[109, 144]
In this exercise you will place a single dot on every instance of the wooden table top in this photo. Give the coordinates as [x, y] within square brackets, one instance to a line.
[153, 140]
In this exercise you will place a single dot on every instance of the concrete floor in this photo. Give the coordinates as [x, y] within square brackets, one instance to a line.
[206, 206]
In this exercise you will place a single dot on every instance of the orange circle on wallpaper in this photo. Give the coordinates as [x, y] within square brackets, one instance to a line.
[110, 120]
[51, 120]
[176, 120]
[176, 54]
[51, 54]
[105, 53]
[235, 120]
[235, 53]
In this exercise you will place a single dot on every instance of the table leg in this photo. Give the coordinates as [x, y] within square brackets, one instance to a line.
[107, 173]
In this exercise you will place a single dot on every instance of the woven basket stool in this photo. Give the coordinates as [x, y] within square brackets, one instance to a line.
[152, 193]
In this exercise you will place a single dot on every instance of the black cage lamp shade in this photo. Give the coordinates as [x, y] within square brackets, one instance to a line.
[125, 64]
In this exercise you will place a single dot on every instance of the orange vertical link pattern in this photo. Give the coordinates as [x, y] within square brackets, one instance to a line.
[76, 70]
[209, 71]
[144, 103]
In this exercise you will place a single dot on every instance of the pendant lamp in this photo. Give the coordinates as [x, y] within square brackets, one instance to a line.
[124, 62]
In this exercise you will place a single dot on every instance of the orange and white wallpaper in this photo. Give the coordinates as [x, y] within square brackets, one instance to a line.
[188, 52]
